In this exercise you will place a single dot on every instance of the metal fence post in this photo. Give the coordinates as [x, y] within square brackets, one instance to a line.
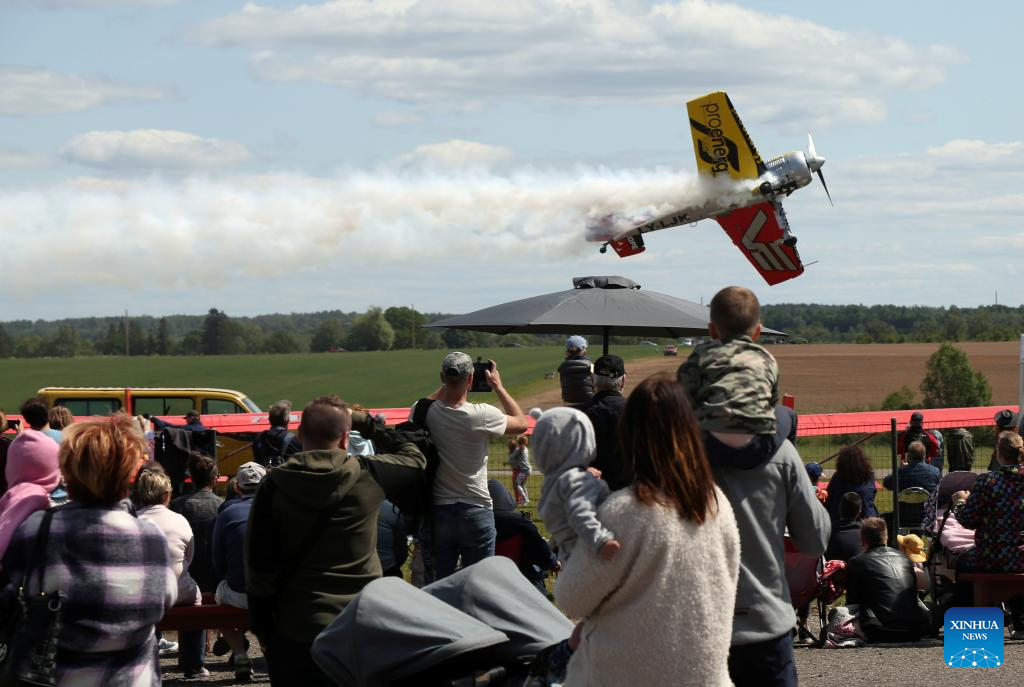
[895, 482]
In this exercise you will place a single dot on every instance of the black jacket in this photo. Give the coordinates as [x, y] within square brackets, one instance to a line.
[200, 508]
[844, 542]
[882, 581]
[604, 410]
[575, 374]
[269, 448]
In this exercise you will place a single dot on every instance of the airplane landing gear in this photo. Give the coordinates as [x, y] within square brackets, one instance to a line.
[789, 240]
[603, 248]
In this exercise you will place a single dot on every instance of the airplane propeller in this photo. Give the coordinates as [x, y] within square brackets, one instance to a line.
[814, 164]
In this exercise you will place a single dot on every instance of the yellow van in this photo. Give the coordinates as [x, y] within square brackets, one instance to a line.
[86, 401]
[232, 451]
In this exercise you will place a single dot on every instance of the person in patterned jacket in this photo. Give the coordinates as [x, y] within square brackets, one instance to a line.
[733, 382]
[993, 510]
[108, 615]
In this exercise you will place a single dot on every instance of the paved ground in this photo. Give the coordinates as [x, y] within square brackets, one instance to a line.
[912, 666]
[917, 666]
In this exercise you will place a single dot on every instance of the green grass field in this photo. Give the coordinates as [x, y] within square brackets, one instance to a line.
[375, 379]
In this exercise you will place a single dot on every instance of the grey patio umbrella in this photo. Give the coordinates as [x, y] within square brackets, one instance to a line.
[595, 305]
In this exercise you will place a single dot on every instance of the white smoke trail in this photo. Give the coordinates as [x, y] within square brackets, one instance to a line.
[199, 230]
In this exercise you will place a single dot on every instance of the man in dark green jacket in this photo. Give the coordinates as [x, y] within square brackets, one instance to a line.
[312, 535]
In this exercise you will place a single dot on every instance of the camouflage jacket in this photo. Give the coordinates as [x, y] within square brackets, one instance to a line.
[733, 385]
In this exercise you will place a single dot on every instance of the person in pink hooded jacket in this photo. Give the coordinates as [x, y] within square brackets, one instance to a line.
[32, 473]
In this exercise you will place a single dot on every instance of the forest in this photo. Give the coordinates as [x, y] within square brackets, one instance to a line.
[217, 333]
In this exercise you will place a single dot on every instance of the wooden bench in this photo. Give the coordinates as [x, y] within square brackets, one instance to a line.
[209, 616]
[991, 589]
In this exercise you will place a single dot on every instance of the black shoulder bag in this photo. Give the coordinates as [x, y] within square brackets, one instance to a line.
[28, 636]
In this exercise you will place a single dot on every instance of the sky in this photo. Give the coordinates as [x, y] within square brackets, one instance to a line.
[169, 156]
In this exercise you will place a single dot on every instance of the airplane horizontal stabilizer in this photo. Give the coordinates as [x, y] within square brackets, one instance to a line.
[756, 232]
[631, 245]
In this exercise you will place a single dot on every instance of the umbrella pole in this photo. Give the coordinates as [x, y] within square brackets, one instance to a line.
[606, 331]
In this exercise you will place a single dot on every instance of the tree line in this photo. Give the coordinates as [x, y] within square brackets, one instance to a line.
[217, 333]
[380, 329]
[894, 323]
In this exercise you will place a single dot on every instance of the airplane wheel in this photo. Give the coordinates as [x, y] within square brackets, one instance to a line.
[790, 241]
[765, 188]
[604, 249]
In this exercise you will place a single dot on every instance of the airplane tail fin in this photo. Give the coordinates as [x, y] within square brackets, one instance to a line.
[631, 245]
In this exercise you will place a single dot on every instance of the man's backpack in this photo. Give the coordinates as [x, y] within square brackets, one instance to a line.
[417, 498]
[268, 455]
[959, 449]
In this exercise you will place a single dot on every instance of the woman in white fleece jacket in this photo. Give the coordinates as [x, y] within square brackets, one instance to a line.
[661, 610]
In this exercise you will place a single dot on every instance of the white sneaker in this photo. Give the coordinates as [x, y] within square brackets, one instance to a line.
[167, 648]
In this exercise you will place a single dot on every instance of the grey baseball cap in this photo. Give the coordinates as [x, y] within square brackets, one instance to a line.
[457, 365]
[250, 474]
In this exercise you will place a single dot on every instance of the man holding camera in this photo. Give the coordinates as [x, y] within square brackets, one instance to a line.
[463, 520]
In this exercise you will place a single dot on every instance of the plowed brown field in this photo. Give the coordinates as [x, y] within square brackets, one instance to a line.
[837, 377]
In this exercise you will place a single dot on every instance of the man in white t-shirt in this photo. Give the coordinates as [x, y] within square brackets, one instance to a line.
[463, 521]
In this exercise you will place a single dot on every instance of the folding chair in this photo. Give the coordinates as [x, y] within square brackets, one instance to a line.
[911, 504]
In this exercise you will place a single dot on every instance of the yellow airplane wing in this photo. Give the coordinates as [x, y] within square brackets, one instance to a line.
[719, 139]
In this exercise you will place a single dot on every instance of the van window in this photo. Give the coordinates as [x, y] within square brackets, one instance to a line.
[253, 408]
[84, 407]
[162, 405]
[218, 406]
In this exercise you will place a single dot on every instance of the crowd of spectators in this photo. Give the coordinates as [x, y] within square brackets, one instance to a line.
[670, 508]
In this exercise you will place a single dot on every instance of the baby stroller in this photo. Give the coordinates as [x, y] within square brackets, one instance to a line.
[941, 564]
[812, 579]
[481, 626]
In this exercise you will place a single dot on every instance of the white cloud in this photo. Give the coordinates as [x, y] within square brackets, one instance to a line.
[86, 4]
[393, 118]
[15, 158]
[584, 50]
[152, 148]
[34, 91]
[456, 154]
[964, 152]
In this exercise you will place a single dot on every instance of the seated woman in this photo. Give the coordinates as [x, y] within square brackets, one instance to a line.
[535, 556]
[661, 610]
[108, 615]
[994, 512]
[853, 473]
[882, 582]
[844, 542]
[150, 494]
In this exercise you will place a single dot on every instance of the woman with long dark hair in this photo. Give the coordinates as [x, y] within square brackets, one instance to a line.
[853, 473]
[661, 610]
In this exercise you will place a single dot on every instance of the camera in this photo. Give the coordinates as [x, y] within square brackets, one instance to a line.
[480, 368]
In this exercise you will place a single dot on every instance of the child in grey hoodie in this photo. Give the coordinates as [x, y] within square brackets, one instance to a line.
[564, 446]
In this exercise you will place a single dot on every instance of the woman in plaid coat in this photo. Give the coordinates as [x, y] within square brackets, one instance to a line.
[112, 568]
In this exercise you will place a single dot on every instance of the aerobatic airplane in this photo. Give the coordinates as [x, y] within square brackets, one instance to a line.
[754, 220]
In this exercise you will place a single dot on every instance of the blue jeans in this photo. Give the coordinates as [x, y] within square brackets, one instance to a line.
[461, 529]
[191, 649]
